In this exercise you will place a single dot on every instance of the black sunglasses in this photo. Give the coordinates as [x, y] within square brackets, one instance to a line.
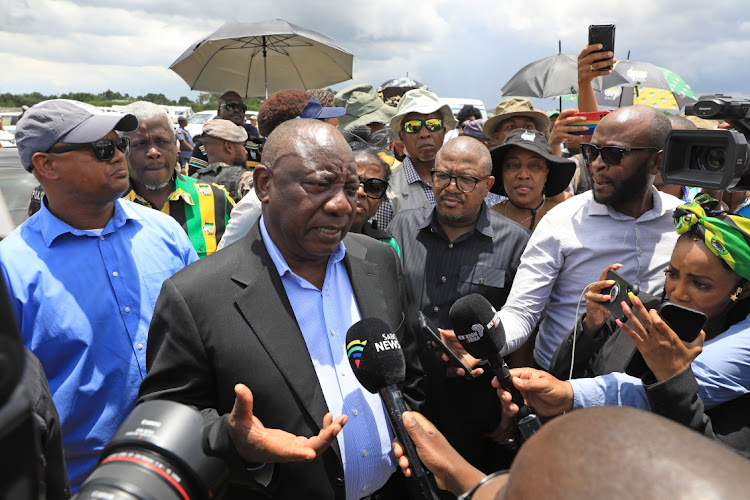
[104, 149]
[465, 183]
[414, 126]
[374, 187]
[611, 155]
[235, 106]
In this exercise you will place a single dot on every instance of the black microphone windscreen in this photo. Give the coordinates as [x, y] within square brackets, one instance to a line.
[375, 354]
[470, 316]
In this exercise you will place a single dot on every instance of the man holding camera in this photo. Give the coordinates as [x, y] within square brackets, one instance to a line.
[623, 219]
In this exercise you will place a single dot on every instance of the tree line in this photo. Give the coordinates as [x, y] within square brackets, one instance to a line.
[205, 101]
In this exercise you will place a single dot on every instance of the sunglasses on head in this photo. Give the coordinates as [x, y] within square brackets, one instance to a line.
[104, 149]
[374, 187]
[414, 126]
[235, 106]
[611, 155]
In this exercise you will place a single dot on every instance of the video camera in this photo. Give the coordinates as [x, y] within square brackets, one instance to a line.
[714, 159]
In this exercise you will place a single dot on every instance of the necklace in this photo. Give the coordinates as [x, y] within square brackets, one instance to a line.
[533, 211]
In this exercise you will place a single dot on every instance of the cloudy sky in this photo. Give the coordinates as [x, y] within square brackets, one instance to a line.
[459, 48]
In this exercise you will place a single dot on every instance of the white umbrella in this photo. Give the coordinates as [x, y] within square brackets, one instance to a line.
[253, 58]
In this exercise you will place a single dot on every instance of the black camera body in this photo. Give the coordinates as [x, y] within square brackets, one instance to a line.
[714, 159]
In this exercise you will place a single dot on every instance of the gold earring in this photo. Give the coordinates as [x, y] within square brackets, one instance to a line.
[736, 295]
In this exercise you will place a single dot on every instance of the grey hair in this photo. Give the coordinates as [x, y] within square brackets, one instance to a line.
[144, 110]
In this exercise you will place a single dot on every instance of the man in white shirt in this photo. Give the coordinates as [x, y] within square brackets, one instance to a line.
[623, 219]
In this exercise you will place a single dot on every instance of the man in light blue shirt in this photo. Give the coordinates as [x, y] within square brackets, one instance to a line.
[267, 348]
[84, 272]
[623, 219]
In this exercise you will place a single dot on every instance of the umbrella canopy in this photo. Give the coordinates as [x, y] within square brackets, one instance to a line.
[255, 58]
[552, 77]
[397, 87]
[649, 85]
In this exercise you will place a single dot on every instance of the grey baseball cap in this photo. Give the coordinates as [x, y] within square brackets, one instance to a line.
[68, 121]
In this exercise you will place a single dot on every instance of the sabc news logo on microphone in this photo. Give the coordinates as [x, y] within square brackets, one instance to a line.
[355, 348]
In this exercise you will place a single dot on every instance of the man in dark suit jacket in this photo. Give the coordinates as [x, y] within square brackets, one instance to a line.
[229, 338]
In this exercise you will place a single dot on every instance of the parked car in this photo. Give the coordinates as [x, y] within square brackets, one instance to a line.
[195, 122]
[16, 185]
[9, 120]
[7, 139]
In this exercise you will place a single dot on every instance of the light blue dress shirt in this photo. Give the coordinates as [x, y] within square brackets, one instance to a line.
[571, 246]
[324, 316]
[722, 371]
[84, 301]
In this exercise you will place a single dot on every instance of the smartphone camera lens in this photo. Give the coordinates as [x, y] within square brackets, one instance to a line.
[614, 292]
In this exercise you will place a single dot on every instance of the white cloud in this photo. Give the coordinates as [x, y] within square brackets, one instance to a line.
[465, 48]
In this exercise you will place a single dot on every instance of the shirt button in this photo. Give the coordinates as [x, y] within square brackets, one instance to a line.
[333, 332]
[355, 412]
[443, 279]
[140, 346]
[101, 238]
[450, 245]
[127, 309]
[364, 454]
[436, 309]
[481, 281]
[640, 251]
[114, 273]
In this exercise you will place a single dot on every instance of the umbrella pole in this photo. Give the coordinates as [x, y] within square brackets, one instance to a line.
[265, 71]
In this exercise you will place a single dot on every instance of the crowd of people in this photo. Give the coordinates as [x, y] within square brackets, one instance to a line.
[223, 272]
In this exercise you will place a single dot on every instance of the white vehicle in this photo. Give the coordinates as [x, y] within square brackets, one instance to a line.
[7, 139]
[195, 122]
[9, 120]
[456, 103]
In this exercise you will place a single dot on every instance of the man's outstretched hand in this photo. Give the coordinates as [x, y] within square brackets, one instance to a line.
[258, 444]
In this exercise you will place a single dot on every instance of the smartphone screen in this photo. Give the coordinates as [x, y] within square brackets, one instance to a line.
[604, 34]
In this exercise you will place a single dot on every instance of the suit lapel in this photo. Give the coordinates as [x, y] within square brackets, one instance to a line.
[275, 326]
[364, 279]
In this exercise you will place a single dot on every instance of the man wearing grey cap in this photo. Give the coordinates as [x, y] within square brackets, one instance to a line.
[84, 272]
[225, 148]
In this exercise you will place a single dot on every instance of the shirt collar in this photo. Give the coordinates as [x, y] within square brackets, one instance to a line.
[597, 208]
[484, 223]
[176, 194]
[51, 227]
[411, 173]
[278, 260]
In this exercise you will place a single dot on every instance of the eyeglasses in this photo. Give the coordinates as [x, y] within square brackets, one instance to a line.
[235, 106]
[611, 155]
[465, 183]
[104, 149]
[374, 187]
[414, 126]
[473, 491]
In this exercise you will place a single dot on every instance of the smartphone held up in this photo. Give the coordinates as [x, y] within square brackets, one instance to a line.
[604, 34]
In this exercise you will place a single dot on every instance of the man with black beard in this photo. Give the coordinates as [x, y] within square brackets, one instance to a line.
[622, 219]
[450, 250]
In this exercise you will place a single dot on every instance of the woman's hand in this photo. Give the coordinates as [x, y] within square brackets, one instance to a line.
[546, 394]
[660, 346]
[591, 63]
[596, 313]
[565, 128]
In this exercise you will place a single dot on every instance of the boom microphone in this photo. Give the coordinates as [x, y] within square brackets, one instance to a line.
[377, 361]
[482, 335]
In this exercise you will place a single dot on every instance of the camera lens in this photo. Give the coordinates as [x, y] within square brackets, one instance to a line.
[710, 159]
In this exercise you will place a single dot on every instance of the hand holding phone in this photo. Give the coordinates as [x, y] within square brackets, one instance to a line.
[619, 292]
[604, 34]
[432, 332]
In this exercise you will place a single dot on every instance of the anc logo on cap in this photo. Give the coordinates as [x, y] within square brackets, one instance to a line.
[528, 136]
[354, 350]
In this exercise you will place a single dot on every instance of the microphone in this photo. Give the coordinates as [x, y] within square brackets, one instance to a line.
[377, 361]
[478, 328]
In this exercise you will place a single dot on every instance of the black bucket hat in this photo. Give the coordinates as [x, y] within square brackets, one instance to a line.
[561, 170]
